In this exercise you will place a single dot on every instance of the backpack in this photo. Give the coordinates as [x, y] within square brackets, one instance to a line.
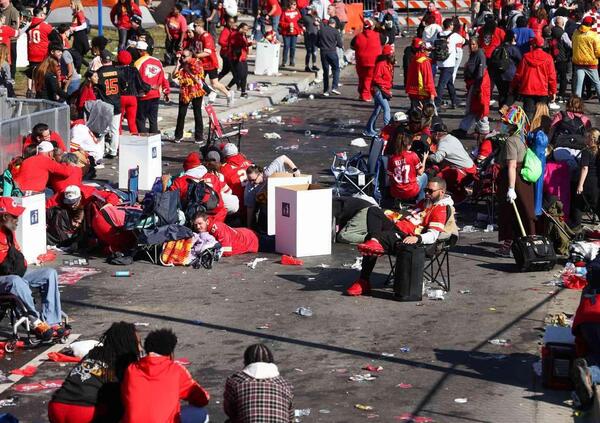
[569, 133]
[440, 48]
[200, 198]
[500, 59]
[9, 188]
[163, 205]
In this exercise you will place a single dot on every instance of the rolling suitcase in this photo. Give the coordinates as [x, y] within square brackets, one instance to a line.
[532, 252]
[408, 275]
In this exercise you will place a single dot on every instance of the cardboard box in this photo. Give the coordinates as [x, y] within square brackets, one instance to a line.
[267, 59]
[31, 232]
[277, 180]
[303, 220]
[144, 152]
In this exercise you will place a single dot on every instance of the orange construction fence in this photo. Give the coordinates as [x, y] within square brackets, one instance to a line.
[355, 17]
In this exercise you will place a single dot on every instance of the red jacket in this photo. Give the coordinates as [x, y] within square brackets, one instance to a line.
[290, 22]
[536, 74]
[38, 40]
[367, 46]
[383, 76]
[55, 139]
[124, 21]
[587, 312]
[176, 26]
[35, 171]
[233, 240]
[4, 246]
[225, 41]
[239, 47]
[152, 388]
[208, 46]
[419, 81]
[152, 73]
[537, 26]
[488, 43]
[59, 184]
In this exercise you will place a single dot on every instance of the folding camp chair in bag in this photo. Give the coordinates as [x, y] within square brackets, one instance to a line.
[215, 129]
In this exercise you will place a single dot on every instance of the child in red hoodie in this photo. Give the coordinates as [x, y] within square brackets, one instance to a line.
[152, 387]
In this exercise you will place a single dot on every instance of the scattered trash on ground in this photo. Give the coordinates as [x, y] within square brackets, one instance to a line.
[76, 262]
[9, 402]
[413, 419]
[287, 148]
[302, 413]
[272, 136]
[81, 348]
[469, 229]
[265, 326]
[62, 358]
[356, 265]
[464, 291]
[363, 407]
[559, 319]
[461, 400]
[42, 385]
[275, 119]
[25, 371]
[324, 411]
[372, 368]
[72, 275]
[362, 378]
[252, 264]
[405, 349]
[436, 294]
[304, 311]
[387, 354]
[324, 266]
[404, 386]
[501, 342]
[358, 142]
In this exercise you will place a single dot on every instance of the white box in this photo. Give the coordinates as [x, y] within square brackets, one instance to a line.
[277, 180]
[267, 59]
[31, 232]
[144, 152]
[303, 220]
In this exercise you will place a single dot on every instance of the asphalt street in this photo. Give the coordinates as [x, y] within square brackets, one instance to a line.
[436, 357]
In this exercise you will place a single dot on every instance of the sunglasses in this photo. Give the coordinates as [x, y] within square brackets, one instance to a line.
[430, 191]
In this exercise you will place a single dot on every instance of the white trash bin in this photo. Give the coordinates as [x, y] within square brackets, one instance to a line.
[144, 152]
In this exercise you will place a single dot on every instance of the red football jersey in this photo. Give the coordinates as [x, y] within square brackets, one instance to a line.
[235, 173]
[403, 175]
[38, 40]
[234, 240]
[208, 46]
[6, 33]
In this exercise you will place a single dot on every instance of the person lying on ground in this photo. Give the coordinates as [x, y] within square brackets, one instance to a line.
[233, 241]
[17, 280]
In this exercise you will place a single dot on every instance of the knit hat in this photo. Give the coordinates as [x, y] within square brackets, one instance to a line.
[388, 50]
[588, 21]
[230, 149]
[124, 57]
[192, 160]
[417, 43]
[213, 156]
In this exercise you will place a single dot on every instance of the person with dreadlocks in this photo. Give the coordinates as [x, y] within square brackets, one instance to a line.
[258, 392]
[91, 390]
[511, 185]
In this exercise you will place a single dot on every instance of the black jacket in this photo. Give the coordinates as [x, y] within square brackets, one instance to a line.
[329, 39]
[132, 82]
[51, 89]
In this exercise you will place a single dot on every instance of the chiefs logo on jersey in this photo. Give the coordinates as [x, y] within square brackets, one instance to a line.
[151, 70]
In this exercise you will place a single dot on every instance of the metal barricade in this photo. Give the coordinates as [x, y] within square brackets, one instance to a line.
[19, 116]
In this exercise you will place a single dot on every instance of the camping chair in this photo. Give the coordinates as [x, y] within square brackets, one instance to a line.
[130, 197]
[437, 267]
[215, 129]
[360, 173]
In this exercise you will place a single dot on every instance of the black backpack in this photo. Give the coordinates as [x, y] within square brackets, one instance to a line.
[440, 48]
[500, 59]
[200, 198]
[569, 133]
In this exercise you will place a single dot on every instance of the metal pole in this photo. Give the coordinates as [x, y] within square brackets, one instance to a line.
[100, 29]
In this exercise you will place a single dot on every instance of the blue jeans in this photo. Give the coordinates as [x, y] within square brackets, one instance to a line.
[46, 280]
[289, 45]
[328, 59]
[259, 27]
[580, 74]
[446, 81]
[191, 414]
[422, 181]
[381, 103]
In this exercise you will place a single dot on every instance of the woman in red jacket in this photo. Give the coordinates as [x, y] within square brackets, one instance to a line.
[383, 80]
[367, 46]
[120, 16]
[240, 44]
[290, 28]
[538, 21]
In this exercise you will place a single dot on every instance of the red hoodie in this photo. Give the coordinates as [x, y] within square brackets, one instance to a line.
[152, 388]
[225, 41]
[536, 74]
[367, 46]
[419, 81]
[383, 76]
[290, 22]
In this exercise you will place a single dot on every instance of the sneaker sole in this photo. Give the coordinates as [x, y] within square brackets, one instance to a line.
[579, 376]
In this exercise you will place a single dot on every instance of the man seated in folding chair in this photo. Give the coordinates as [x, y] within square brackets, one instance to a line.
[15, 279]
[422, 225]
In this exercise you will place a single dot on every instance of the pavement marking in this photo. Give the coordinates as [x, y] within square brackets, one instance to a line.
[37, 360]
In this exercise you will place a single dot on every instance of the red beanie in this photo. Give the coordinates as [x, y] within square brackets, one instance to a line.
[388, 50]
[192, 160]
[124, 57]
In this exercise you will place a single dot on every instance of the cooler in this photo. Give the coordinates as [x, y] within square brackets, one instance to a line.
[558, 353]
[276, 180]
[303, 220]
[267, 59]
[31, 232]
[144, 152]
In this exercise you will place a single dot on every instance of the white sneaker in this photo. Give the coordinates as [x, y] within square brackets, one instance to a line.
[230, 98]
[554, 106]
[212, 97]
[336, 92]
[325, 94]
[492, 102]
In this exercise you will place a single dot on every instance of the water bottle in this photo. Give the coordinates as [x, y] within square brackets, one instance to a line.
[581, 271]
[122, 274]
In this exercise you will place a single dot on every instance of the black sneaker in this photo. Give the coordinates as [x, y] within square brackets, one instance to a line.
[307, 69]
[110, 156]
[315, 69]
[29, 94]
[582, 379]
[244, 95]
[292, 64]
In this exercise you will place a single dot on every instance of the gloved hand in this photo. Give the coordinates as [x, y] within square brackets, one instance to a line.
[511, 195]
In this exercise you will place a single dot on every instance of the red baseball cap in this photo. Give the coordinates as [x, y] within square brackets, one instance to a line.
[192, 160]
[8, 205]
[588, 21]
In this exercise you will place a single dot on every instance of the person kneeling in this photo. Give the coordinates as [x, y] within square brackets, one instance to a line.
[15, 279]
[422, 225]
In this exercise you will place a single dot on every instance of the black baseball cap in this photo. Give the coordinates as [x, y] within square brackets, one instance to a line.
[105, 56]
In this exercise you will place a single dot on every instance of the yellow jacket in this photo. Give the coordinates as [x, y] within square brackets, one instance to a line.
[586, 47]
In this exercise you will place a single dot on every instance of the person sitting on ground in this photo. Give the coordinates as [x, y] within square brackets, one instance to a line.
[42, 132]
[91, 391]
[234, 171]
[255, 192]
[233, 241]
[406, 170]
[57, 183]
[152, 387]
[456, 166]
[36, 171]
[216, 180]
[15, 278]
[422, 225]
[258, 393]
